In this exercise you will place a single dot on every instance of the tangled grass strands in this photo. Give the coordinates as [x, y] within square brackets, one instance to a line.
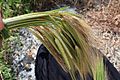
[67, 37]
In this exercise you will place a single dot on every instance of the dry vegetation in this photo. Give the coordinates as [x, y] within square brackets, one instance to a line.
[106, 17]
[105, 23]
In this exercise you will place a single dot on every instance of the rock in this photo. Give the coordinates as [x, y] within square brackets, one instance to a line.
[24, 54]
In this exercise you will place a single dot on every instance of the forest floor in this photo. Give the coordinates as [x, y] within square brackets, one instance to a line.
[105, 24]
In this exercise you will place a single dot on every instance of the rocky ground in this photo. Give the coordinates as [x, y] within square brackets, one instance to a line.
[24, 50]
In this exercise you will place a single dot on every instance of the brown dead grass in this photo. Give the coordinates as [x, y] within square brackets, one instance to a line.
[105, 22]
[106, 17]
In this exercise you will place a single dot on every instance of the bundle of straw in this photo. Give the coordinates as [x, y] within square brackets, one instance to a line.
[66, 36]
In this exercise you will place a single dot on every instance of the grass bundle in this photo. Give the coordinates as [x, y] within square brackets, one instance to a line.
[66, 36]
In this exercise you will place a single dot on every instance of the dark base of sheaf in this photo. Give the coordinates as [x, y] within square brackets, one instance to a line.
[47, 68]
